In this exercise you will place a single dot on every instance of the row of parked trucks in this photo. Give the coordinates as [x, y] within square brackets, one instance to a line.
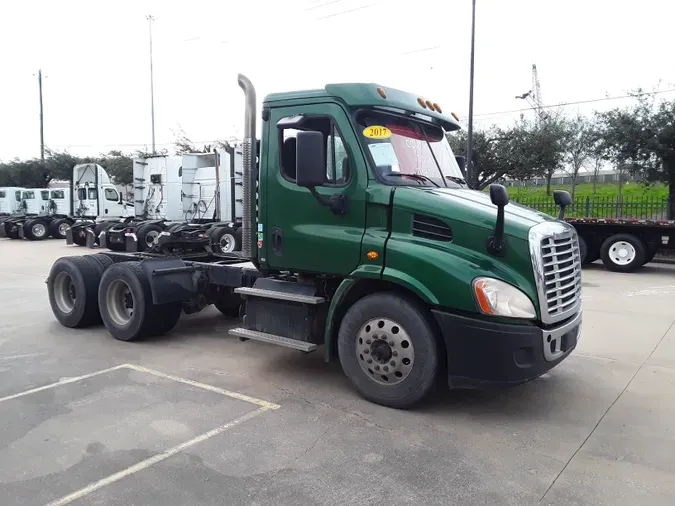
[190, 201]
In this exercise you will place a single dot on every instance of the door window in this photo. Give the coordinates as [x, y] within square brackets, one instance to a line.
[2, 195]
[82, 194]
[45, 194]
[338, 170]
[29, 195]
[93, 194]
[112, 195]
[58, 194]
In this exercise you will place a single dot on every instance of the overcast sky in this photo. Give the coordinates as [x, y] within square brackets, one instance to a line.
[95, 59]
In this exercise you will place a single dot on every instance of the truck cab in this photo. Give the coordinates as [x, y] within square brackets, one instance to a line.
[358, 186]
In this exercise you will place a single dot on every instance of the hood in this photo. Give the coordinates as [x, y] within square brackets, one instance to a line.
[470, 206]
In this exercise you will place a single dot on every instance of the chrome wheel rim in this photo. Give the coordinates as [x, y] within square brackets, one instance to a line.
[64, 292]
[39, 230]
[384, 351]
[63, 228]
[120, 302]
[622, 253]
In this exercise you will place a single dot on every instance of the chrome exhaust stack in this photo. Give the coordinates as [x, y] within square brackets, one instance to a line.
[249, 148]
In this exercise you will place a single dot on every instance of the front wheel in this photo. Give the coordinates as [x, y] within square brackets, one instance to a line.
[389, 350]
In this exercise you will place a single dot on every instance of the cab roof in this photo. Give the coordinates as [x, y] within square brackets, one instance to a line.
[373, 95]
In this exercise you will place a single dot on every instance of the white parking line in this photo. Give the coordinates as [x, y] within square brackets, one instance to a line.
[144, 464]
[64, 381]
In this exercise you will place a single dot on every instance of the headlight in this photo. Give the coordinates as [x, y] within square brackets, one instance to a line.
[497, 298]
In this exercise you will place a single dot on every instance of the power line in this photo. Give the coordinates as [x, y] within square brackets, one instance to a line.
[345, 12]
[578, 102]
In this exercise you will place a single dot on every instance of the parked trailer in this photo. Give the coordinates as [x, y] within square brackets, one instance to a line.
[384, 256]
[623, 245]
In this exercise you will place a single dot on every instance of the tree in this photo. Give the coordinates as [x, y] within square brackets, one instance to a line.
[545, 149]
[119, 167]
[577, 145]
[497, 153]
[640, 138]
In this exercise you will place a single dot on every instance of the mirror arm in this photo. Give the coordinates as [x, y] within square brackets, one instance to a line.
[496, 245]
[561, 214]
[337, 203]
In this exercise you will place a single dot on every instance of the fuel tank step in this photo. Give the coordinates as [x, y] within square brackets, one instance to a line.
[273, 339]
[273, 294]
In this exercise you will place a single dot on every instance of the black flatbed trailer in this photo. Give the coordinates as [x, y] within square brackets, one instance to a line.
[623, 244]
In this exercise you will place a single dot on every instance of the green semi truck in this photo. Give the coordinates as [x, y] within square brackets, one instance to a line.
[361, 236]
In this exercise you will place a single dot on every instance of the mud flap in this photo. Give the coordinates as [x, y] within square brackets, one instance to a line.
[131, 244]
[91, 238]
[69, 236]
[21, 231]
[103, 240]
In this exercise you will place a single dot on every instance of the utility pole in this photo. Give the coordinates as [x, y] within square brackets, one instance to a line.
[469, 141]
[150, 19]
[42, 119]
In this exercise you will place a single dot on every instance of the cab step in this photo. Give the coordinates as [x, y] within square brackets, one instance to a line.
[242, 333]
[273, 294]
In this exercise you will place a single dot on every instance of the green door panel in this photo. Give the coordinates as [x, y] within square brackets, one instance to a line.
[313, 239]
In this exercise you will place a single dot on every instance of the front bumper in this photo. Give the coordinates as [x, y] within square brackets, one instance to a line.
[483, 354]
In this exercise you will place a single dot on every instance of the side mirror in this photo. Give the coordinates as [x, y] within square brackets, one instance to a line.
[498, 195]
[461, 161]
[496, 245]
[563, 199]
[310, 161]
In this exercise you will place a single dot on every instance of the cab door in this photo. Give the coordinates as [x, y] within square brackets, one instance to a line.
[297, 233]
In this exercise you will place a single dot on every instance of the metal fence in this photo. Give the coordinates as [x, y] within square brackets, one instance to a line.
[649, 208]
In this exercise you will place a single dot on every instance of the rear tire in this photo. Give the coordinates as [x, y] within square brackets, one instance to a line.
[226, 240]
[397, 335]
[229, 304]
[58, 227]
[147, 236]
[623, 253]
[73, 286]
[125, 299]
[12, 229]
[36, 230]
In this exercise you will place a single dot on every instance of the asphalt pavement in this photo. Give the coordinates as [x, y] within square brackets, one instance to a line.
[198, 417]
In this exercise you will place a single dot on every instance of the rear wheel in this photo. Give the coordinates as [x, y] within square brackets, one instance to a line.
[147, 236]
[125, 299]
[72, 286]
[389, 350]
[226, 240]
[12, 229]
[58, 228]
[36, 230]
[229, 304]
[623, 253]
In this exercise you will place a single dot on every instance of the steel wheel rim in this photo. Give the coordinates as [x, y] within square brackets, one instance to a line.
[622, 253]
[120, 302]
[151, 238]
[39, 230]
[63, 228]
[384, 351]
[226, 243]
[64, 292]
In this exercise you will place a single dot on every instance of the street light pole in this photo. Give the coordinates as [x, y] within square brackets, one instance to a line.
[150, 19]
[42, 119]
[469, 142]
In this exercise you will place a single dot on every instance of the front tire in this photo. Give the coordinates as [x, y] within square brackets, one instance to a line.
[623, 253]
[389, 349]
[36, 230]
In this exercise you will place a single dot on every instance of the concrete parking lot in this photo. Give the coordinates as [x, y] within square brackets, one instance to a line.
[197, 417]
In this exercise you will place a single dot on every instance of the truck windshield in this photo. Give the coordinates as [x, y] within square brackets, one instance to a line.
[409, 152]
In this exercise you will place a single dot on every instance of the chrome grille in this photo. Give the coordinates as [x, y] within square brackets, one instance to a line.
[554, 247]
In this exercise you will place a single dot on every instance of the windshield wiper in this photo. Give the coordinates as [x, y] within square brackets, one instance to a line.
[456, 179]
[420, 177]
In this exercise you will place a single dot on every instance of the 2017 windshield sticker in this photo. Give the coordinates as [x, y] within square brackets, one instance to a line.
[377, 132]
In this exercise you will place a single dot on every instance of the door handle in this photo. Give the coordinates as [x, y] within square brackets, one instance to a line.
[277, 240]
